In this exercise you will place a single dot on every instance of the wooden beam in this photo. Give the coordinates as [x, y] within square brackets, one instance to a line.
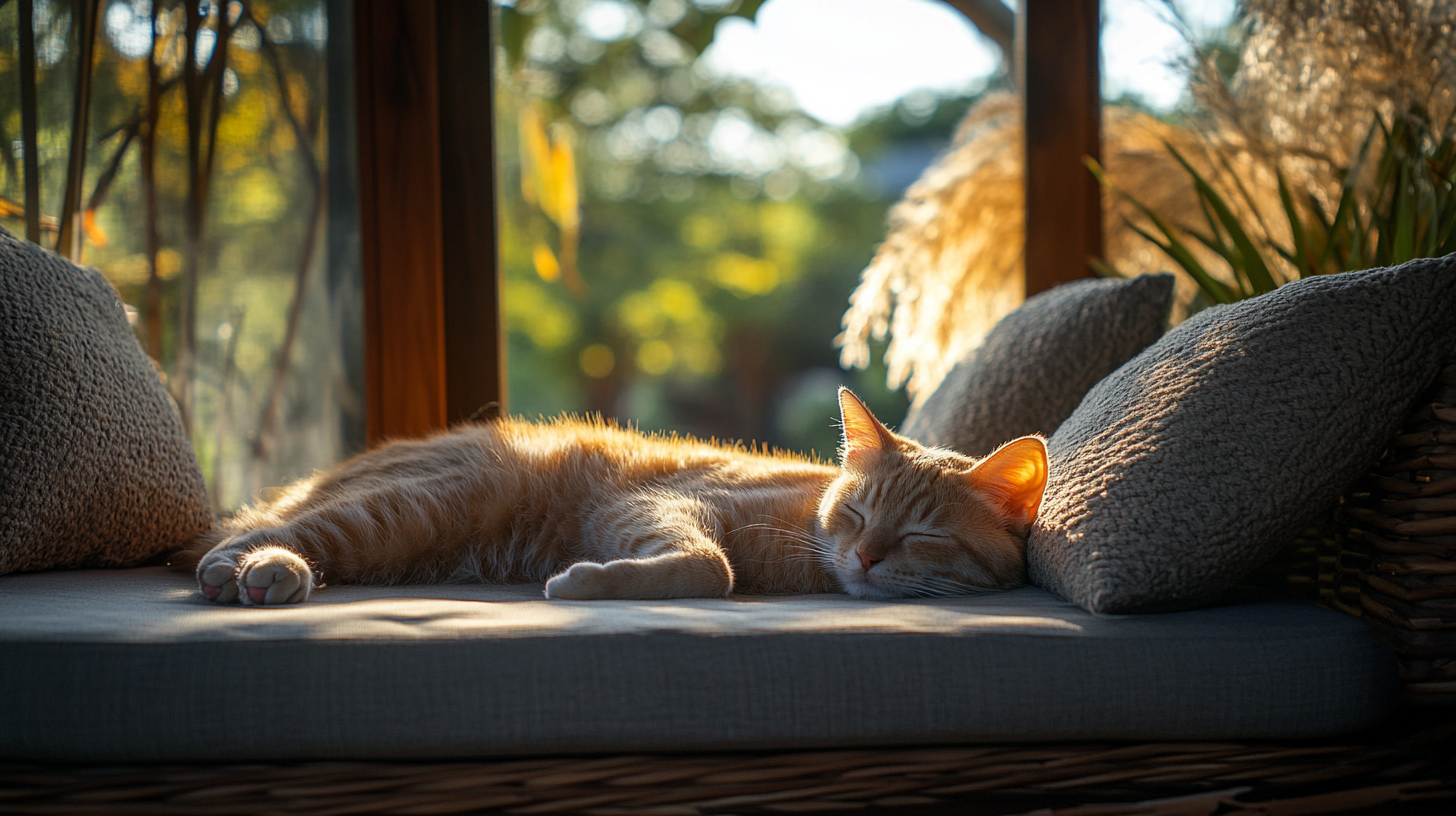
[28, 117]
[474, 347]
[426, 214]
[1058, 42]
[68, 237]
[399, 217]
[342, 281]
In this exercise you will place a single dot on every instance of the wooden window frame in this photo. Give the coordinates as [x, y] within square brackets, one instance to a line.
[433, 343]
[432, 334]
[1058, 53]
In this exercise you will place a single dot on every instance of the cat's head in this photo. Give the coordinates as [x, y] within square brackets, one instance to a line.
[907, 520]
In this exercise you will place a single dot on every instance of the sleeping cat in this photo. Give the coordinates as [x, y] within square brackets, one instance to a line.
[600, 512]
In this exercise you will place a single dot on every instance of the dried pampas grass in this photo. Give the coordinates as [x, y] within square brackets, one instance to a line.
[1311, 78]
[1313, 74]
[952, 263]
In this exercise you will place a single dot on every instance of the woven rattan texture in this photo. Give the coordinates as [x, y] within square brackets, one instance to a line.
[1410, 764]
[1397, 568]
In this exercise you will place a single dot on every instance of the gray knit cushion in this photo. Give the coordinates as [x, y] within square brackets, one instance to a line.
[95, 469]
[1197, 460]
[1039, 361]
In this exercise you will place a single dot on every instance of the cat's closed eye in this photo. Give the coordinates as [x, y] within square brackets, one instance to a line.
[854, 515]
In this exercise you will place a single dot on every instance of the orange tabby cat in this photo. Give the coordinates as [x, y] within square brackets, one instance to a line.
[600, 512]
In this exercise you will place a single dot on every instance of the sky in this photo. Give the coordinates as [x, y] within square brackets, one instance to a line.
[842, 58]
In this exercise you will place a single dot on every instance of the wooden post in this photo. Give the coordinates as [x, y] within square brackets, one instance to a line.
[68, 237]
[28, 118]
[474, 348]
[1058, 43]
[427, 237]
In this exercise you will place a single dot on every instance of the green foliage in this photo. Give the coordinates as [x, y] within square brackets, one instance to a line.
[694, 26]
[241, 228]
[699, 289]
[1411, 211]
[1402, 208]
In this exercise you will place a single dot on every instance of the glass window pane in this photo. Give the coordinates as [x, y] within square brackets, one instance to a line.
[690, 191]
[217, 199]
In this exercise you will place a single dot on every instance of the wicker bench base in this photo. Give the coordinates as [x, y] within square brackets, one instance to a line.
[1396, 567]
[1410, 767]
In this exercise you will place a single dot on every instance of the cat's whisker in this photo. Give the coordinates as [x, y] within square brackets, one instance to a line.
[827, 557]
[948, 586]
[797, 535]
[809, 551]
[916, 591]
[787, 524]
[791, 553]
[780, 559]
[809, 541]
[803, 540]
[772, 528]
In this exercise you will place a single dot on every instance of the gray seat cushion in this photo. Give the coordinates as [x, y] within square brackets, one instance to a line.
[132, 666]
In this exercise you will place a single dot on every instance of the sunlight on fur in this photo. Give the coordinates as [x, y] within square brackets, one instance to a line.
[598, 512]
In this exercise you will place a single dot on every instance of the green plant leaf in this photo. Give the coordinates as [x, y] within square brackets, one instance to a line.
[1213, 287]
[1321, 220]
[1384, 210]
[1214, 230]
[1230, 257]
[1300, 252]
[1286, 254]
[1317, 210]
[1442, 243]
[1358, 231]
[1244, 193]
[1174, 248]
[1254, 268]
[1404, 204]
[1346, 206]
[1214, 240]
[1104, 269]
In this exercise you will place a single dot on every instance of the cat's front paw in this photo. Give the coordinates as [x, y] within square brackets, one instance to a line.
[273, 575]
[581, 582]
[217, 577]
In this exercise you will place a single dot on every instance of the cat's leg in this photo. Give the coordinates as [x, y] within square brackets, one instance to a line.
[403, 530]
[688, 574]
[652, 546]
[255, 568]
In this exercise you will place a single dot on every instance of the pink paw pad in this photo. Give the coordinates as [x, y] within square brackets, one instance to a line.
[257, 594]
[210, 591]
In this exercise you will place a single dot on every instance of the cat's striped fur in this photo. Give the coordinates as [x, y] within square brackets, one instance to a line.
[600, 512]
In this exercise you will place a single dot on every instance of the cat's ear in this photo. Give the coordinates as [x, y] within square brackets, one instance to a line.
[864, 436]
[1014, 477]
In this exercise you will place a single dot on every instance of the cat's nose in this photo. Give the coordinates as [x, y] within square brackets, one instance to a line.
[867, 561]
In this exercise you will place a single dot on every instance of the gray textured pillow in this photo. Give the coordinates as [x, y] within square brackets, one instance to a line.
[1039, 361]
[95, 469]
[1193, 463]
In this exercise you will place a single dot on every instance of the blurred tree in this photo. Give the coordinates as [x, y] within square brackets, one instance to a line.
[678, 245]
[198, 192]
